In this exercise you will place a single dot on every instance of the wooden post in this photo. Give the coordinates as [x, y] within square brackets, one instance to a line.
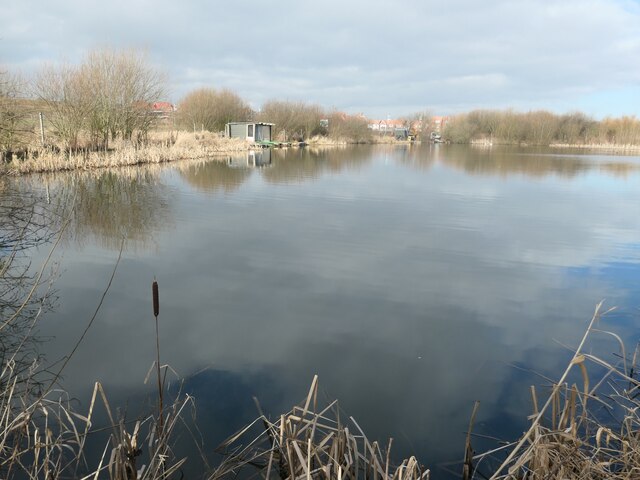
[41, 128]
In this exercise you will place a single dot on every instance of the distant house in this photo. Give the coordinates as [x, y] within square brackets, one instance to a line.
[251, 131]
[385, 126]
[438, 123]
[162, 109]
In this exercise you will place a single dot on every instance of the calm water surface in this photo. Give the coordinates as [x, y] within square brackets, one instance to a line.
[413, 280]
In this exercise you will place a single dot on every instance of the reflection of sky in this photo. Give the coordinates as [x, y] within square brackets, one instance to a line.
[410, 290]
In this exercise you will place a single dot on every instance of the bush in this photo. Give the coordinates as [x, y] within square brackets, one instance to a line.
[109, 95]
[209, 109]
[295, 121]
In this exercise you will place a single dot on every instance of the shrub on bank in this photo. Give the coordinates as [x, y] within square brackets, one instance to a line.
[541, 128]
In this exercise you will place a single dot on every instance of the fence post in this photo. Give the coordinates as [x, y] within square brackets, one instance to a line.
[41, 128]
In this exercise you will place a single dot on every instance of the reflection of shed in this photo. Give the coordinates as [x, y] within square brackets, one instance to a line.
[252, 131]
[253, 158]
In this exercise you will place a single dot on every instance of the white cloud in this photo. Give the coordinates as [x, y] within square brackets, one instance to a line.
[357, 55]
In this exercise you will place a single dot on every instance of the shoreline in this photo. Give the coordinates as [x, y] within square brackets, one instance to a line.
[201, 146]
[187, 147]
[162, 149]
[612, 147]
[603, 147]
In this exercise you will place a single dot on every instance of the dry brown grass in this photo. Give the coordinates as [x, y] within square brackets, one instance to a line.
[585, 430]
[161, 148]
[613, 147]
[311, 441]
[321, 140]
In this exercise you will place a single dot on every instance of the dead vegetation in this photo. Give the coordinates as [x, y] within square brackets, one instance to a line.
[310, 441]
[543, 128]
[588, 429]
[42, 434]
[161, 148]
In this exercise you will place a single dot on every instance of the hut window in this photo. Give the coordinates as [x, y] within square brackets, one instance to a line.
[249, 130]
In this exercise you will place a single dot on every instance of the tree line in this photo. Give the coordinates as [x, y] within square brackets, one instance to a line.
[110, 93]
[541, 128]
[210, 109]
[106, 96]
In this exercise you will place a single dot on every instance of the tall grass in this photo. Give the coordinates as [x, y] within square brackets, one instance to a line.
[161, 149]
[311, 441]
[42, 436]
[587, 429]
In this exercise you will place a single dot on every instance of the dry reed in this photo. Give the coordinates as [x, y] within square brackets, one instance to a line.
[613, 147]
[160, 149]
[45, 438]
[320, 140]
[308, 442]
[585, 430]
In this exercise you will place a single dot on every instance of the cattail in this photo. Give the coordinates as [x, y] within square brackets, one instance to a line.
[156, 312]
[156, 299]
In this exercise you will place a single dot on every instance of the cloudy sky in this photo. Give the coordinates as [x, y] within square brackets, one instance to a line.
[379, 57]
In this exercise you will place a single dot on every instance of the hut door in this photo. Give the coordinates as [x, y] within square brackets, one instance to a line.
[263, 133]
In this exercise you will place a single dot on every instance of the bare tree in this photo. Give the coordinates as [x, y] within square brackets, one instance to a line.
[230, 107]
[352, 127]
[209, 109]
[197, 110]
[294, 120]
[109, 95]
[419, 124]
[121, 89]
[14, 114]
[62, 91]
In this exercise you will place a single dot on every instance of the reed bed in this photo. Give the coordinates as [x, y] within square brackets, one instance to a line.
[588, 429]
[44, 438]
[310, 441]
[321, 140]
[613, 147]
[161, 148]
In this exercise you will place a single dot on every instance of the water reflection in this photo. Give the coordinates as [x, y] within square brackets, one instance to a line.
[103, 207]
[297, 165]
[252, 159]
[506, 161]
[214, 175]
[406, 281]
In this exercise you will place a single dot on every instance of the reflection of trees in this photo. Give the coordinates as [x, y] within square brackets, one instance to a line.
[106, 205]
[214, 176]
[418, 157]
[113, 204]
[24, 295]
[296, 165]
[619, 169]
[509, 161]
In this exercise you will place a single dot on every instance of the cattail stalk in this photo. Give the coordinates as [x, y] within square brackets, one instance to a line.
[156, 312]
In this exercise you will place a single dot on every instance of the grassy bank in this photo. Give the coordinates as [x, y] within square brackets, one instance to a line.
[160, 148]
[320, 140]
[609, 147]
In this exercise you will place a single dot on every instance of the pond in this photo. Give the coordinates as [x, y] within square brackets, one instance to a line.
[413, 280]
